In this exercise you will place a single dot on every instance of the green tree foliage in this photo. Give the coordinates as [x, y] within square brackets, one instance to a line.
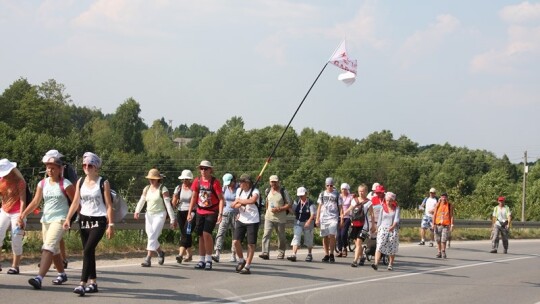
[38, 118]
[127, 126]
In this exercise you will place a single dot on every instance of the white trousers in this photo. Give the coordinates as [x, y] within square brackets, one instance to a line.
[8, 220]
[153, 226]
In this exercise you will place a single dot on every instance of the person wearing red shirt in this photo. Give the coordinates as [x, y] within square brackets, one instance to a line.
[207, 195]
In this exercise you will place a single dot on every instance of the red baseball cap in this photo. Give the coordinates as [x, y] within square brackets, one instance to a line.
[501, 199]
[379, 189]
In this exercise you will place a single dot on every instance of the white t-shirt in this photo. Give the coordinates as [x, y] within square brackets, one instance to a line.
[92, 203]
[248, 214]
[184, 198]
[329, 202]
[430, 206]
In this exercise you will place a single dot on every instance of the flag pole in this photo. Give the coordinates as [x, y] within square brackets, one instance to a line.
[285, 131]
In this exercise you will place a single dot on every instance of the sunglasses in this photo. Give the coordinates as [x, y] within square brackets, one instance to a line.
[329, 185]
[205, 168]
[88, 166]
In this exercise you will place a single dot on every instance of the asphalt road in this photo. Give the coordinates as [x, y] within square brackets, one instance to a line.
[470, 274]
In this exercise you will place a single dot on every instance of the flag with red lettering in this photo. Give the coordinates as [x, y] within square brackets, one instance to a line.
[341, 59]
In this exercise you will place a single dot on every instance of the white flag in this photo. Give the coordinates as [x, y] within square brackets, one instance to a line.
[342, 61]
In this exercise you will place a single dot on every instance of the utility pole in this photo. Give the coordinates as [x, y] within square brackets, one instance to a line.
[525, 171]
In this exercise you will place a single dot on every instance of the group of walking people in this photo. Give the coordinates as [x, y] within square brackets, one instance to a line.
[61, 201]
[199, 204]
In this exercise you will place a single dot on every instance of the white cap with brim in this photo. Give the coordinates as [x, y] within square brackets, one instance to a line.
[186, 174]
[6, 166]
[301, 191]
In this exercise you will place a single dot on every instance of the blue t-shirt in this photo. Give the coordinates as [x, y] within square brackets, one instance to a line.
[55, 207]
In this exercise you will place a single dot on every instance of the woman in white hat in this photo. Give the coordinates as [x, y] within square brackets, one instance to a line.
[56, 193]
[96, 218]
[158, 201]
[181, 200]
[13, 193]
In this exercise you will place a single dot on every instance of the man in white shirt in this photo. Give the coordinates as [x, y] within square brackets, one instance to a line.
[428, 205]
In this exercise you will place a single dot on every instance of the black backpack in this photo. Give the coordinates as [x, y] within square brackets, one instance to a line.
[358, 216]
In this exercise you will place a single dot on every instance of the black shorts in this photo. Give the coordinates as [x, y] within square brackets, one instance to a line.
[356, 233]
[251, 229]
[205, 223]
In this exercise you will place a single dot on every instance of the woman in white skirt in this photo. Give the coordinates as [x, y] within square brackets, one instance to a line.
[388, 231]
[158, 201]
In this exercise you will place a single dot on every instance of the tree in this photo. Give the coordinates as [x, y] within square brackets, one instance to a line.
[127, 126]
[10, 101]
[156, 139]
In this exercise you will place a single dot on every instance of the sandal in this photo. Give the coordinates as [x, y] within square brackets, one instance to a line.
[90, 288]
[60, 279]
[13, 270]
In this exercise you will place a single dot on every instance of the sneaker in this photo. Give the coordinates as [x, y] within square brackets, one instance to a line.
[200, 265]
[91, 288]
[179, 259]
[35, 282]
[60, 279]
[309, 257]
[422, 243]
[390, 268]
[493, 251]
[362, 261]
[326, 259]
[215, 258]
[240, 266]
[208, 266]
[79, 290]
[281, 256]
[147, 263]
[264, 256]
[439, 255]
[430, 244]
[292, 258]
[245, 271]
[161, 257]
[354, 264]
[444, 254]
[374, 266]
[13, 270]
[332, 259]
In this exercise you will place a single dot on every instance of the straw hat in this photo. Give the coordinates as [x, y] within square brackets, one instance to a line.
[153, 174]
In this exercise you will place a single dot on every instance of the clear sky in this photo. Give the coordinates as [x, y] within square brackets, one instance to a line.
[462, 72]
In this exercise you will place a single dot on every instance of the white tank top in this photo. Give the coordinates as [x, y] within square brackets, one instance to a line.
[92, 203]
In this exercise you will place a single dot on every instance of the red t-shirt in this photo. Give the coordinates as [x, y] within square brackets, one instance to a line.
[375, 201]
[207, 200]
[10, 190]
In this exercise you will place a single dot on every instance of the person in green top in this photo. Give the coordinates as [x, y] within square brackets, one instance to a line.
[501, 220]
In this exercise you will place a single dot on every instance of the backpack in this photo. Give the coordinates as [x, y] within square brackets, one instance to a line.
[212, 192]
[358, 215]
[282, 192]
[119, 205]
